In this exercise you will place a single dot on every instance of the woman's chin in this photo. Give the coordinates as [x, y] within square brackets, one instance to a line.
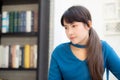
[74, 42]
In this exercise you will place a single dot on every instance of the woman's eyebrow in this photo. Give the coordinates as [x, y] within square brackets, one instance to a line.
[65, 25]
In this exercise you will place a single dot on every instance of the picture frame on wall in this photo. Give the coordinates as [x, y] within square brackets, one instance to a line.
[110, 11]
[112, 28]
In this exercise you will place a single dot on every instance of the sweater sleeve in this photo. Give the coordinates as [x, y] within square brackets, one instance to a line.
[54, 71]
[112, 60]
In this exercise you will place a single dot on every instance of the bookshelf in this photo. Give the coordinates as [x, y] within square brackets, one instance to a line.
[40, 37]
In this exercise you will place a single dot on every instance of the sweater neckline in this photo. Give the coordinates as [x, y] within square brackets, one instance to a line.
[78, 45]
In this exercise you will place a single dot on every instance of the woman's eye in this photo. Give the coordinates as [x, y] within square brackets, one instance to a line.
[74, 26]
[65, 27]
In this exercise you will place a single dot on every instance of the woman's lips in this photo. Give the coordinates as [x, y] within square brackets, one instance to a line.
[71, 38]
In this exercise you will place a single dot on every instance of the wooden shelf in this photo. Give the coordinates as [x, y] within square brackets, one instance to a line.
[16, 2]
[18, 69]
[19, 34]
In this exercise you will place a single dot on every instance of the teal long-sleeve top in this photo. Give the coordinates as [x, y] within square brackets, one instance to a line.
[65, 66]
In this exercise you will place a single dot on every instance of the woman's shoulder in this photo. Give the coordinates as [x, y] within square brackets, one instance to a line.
[104, 44]
[106, 48]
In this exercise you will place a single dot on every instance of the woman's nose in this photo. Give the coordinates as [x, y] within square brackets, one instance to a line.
[70, 31]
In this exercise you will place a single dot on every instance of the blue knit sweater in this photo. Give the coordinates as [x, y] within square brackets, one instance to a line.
[65, 66]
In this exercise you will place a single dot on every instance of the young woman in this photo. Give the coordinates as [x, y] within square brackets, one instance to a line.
[85, 57]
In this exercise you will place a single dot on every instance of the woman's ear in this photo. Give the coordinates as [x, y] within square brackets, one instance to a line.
[90, 24]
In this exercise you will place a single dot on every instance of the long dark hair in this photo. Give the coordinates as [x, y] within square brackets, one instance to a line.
[94, 49]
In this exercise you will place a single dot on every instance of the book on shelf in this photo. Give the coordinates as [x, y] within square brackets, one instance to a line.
[27, 56]
[0, 22]
[19, 21]
[5, 22]
[16, 56]
[15, 52]
[29, 21]
[4, 54]
[35, 26]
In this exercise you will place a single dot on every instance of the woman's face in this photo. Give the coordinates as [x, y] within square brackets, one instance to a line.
[77, 32]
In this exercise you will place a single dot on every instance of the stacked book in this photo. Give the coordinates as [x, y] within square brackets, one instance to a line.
[19, 21]
[16, 56]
